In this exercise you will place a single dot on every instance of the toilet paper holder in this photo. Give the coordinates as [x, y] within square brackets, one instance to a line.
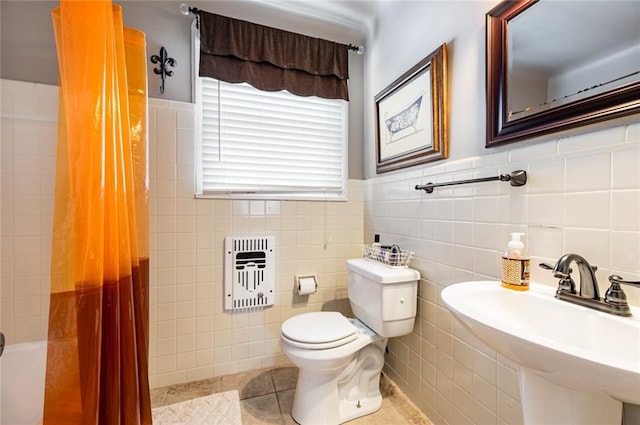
[306, 284]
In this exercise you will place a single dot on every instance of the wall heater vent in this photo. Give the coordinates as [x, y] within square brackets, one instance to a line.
[249, 273]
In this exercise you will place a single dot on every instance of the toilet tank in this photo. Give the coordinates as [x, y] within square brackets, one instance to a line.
[384, 298]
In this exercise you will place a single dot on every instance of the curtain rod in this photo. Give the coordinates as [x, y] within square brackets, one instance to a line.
[185, 9]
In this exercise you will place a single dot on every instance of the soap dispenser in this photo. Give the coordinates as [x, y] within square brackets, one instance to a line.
[515, 264]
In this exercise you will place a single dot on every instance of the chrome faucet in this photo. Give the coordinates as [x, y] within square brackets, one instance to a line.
[588, 281]
[615, 300]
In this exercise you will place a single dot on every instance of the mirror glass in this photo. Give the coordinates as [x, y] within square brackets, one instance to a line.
[554, 60]
[556, 65]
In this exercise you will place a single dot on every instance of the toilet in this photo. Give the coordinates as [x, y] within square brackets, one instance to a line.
[340, 358]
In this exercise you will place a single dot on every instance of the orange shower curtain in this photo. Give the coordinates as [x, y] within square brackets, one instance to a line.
[98, 321]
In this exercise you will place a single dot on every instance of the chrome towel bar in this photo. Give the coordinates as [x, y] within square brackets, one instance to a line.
[516, 178]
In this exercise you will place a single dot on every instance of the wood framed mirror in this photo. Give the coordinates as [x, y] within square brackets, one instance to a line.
[555, 66]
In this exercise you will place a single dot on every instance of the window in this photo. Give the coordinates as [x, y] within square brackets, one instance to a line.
[259, 144]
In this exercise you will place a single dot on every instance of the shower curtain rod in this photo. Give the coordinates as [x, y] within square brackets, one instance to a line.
[185, 9]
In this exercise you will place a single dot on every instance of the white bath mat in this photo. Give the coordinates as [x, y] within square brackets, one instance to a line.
[215, 409]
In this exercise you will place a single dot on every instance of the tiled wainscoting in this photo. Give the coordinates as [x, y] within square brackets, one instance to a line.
[28, 149]
[192, 337]
[582, 196]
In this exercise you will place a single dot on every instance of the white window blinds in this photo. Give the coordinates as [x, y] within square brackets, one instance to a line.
[258, 144]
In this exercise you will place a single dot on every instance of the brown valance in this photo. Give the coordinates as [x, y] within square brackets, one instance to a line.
[270, 59]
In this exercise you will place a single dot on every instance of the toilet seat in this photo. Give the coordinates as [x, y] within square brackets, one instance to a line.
[318, 330]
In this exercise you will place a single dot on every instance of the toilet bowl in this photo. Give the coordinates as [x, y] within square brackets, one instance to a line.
[339, 379]
[340, 358]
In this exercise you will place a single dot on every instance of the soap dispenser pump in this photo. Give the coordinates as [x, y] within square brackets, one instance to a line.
[515, 264]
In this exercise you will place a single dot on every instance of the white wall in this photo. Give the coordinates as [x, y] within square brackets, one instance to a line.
[583, 196]
[408, 31]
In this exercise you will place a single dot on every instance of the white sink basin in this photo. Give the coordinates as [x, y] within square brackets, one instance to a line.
[580, 360]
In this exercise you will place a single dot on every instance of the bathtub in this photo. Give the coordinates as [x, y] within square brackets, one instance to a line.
[22, 368]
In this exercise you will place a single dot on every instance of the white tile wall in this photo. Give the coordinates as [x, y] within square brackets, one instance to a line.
[191, 336]
[28, 139]
[582, 196]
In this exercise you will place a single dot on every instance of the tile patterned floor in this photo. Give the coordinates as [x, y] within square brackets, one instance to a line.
[266, 397]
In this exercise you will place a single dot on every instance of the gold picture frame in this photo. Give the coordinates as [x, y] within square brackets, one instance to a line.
[411, 116]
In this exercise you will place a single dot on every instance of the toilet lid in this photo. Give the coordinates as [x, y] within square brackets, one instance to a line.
[318, 330]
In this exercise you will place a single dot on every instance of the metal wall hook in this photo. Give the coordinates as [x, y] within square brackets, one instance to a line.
[164, 62]
[516, 178]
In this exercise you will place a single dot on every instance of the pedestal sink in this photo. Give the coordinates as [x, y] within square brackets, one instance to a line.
[576, 365]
